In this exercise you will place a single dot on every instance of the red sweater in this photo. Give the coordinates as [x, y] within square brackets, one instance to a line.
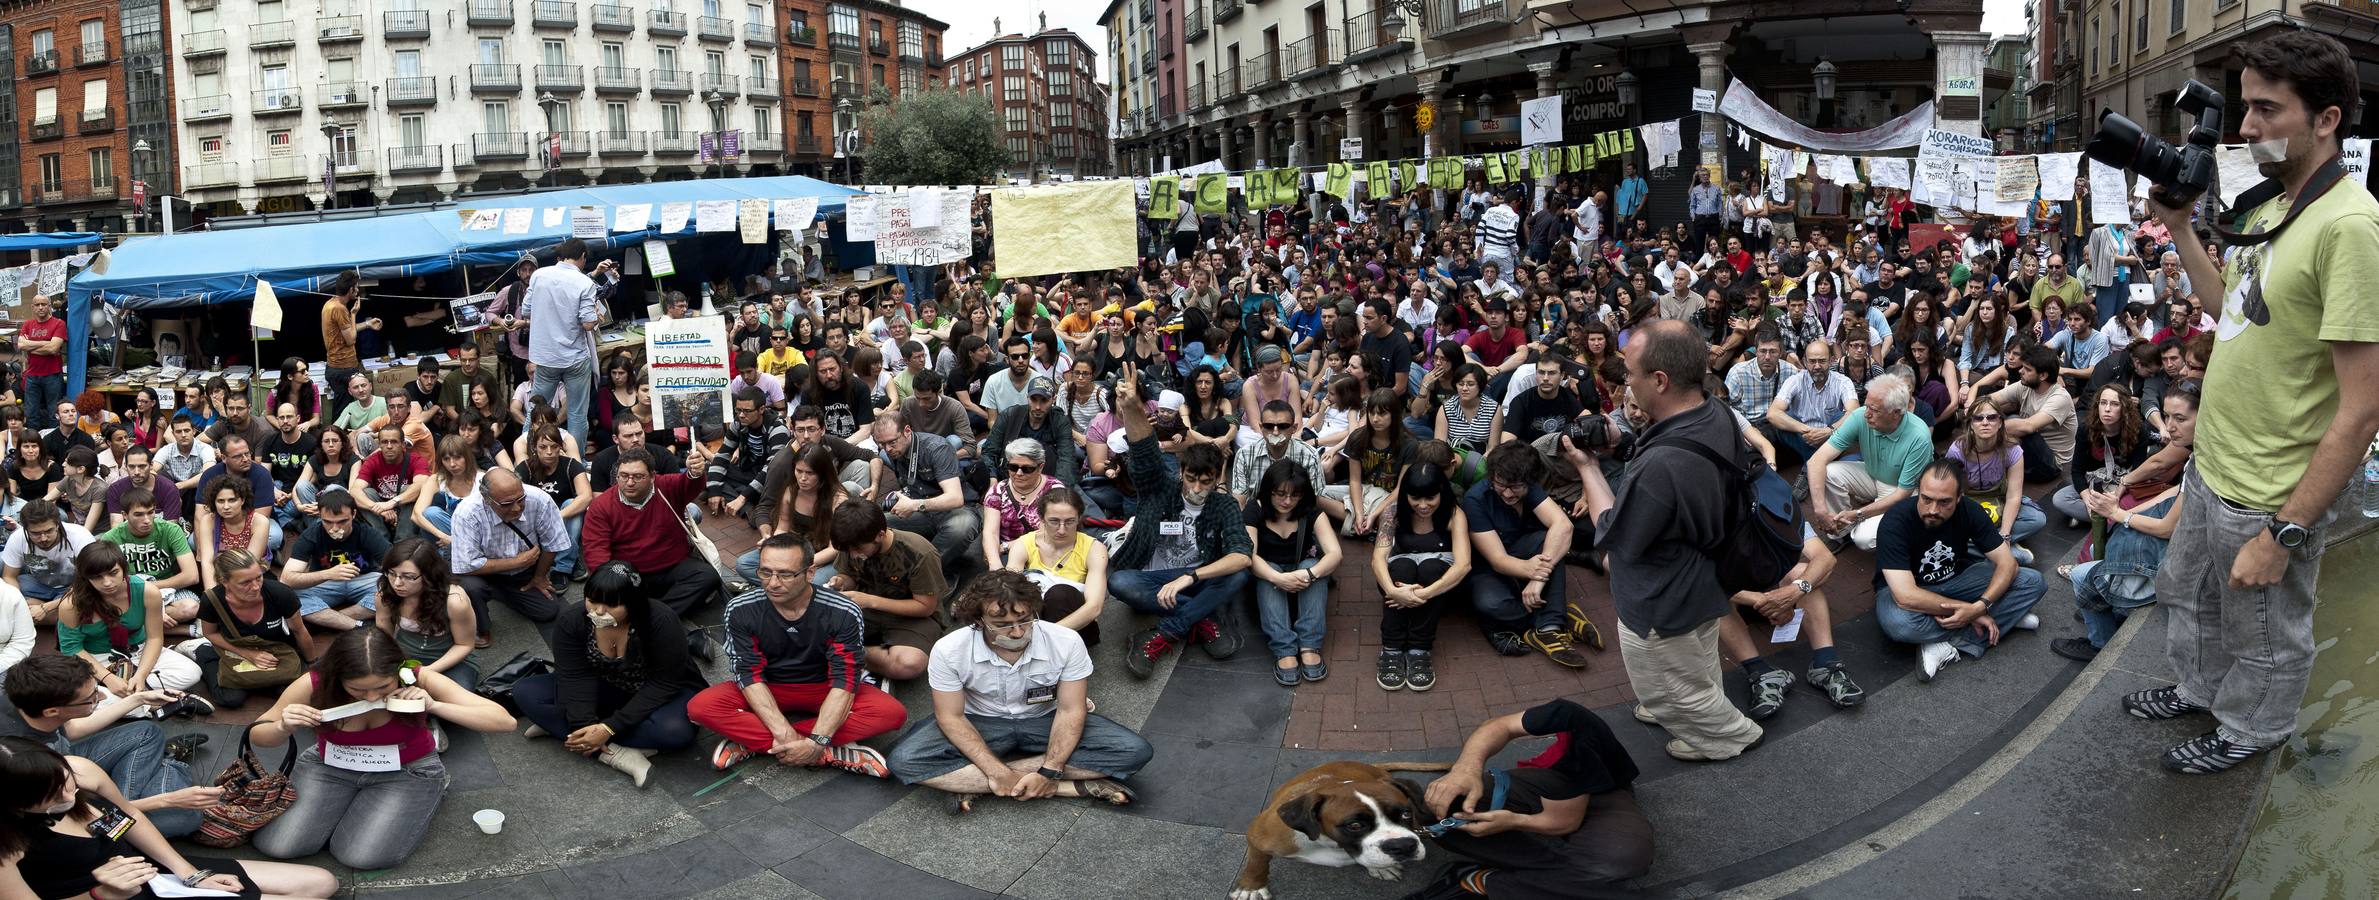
[649, 539]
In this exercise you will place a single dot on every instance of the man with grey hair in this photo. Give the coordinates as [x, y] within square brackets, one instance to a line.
[1893, 448]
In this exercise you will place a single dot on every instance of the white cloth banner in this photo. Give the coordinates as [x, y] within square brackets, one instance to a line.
[1662, 143]
[1747, 109]
[2057, 171]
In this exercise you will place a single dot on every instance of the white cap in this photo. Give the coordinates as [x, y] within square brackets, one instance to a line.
[1171, 400]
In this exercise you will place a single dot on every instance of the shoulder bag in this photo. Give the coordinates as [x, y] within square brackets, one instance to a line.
[253, 796]
[230, 674]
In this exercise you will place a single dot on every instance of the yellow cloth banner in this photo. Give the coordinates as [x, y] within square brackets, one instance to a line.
[1339, 180]
[1164, 197]
[1378, 184]
[1495, 173]
[1085, 226]
[1214, 194]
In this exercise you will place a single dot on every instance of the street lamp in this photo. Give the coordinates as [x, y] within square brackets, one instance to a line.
[718, 130]
[550, 149]
[1629, 92]
[1822, 77]
[845, 143]
[140, 163]
[330, 162]
[1397, 12]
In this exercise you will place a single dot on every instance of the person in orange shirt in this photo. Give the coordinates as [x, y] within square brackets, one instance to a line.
[412, 420]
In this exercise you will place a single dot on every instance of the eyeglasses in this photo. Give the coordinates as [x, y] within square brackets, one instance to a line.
[1022, 468]
[404, 577]
[1020, 356]
[1060, 524]
[1278, 426]
[767, 575]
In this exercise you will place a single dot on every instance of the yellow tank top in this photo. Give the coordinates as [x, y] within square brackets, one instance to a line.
[1074, 566]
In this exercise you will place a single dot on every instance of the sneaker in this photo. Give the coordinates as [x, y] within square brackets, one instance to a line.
[1933, 657]
[2159, 703]
[2023, 556]
[1447, 885]
[1582, 630]
[871, 679]
[629, 762]
[2076, 649]
[1835, 681]
[1767, 693]
[181, 748]
[1315, 672]
[189, 706]
[1508, 643]
[729, 753]
[857, 759]
[1391, 670]
[438, 735]
[1556, 646]
[2029, 622]
[1801, 485]
[1147, 647]
[1689, 753]
[2207, 754]
[1643, 715]
[1419, 673]
[1217, 641]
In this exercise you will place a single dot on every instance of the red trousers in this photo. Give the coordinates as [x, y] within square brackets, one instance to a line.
[722, 708]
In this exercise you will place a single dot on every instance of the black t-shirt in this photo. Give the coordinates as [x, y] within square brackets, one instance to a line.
[1284, 552]
[1531, 416]
[1933, 555]
[425, 399]
[35, 487]
[1587, 757]
[288, 458]
[1393, 353]
[561, 484]
[1382, 465]
[364, 547]
[847, 409]
[280, 602]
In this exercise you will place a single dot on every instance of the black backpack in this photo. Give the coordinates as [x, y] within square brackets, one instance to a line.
[1760, 538]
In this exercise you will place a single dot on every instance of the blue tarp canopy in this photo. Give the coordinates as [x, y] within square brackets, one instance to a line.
[55, 240]
[209, 267]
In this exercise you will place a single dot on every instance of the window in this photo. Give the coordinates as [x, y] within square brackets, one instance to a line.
[94, 34]
[761, 117]
[842, 20]
[2180, 15]
[53, 172]
[1013, 87]
[2139, 27]
[1018, 147]
[714, 62]
[755, 14]
[760, 68]
[801, 69]
[408, 63]
[202, 20]
[1061, 83]
[495, 116]
[875, 32]
[1065, 143]
[876, 74]
[558, 117]
[665, 58]
[2094, 30]
[671, 116]
[970, 70]
[806, 123]
[271, 11]
[1061, 116]
[207, 84]
[1058, 53]
[43, 42]
[797, 20]
[1016, 118]
[710, 8]
[413, 131]
[342, 147]
[556, 53]
[615, 117]
[45, 104]
[491, 51]
[912, 39]
[95, 99]
[1012, 57]
[615, 55]
[908, 79]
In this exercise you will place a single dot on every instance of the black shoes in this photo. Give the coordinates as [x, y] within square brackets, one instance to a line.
[181, 748]
[2076, 649]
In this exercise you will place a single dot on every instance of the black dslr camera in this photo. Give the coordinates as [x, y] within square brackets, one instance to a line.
[1600, 435]
[2181, 174]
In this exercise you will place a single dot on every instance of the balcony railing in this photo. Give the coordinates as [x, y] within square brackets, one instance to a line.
[713, 28]
[1197, 96]
[196, 43]
[1368, 36]
[843, 87]
[610, 80]
[284, 168]
[803, 35]
[91, 53]
[1164, 41]
[340, 94]
[496, 77]
[346, 163]
[1229, 84]
[571, 79]
[1148, 60]
[500, 145]
[1308, 57]
[214, 174]
[619, 143]
[848, 43]
[758, 34]
[663, 23]
[879, 46]
[727, 85]
[74, 190]
[416, 159]
[564, 143]
[42, 63]
[1457, 18]
[96, 121]
[614, 17]
[489, 12]
[417, 90]
[761, 86]
[51, 128]
[675, 143]
[672, 82]
[805, 87]
[764, 145]
[338, 29]
[405, 23]
[276, 101]
[201, 109]
[553, 14]
[272, 34]
[1196, 19]
[1226, 10]
[807, 145]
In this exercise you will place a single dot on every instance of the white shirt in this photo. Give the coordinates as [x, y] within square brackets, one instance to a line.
[54, 567]
[16, 627]
[996, 688]
[561, 301]
[1419, 318]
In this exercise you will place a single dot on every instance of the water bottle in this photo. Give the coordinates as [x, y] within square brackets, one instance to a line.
[2370, 484]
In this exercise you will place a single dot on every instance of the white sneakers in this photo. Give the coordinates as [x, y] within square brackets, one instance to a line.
[2029, 622]
[1935, 655]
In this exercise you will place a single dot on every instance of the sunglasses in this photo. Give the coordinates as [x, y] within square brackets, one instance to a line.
[1022, 469]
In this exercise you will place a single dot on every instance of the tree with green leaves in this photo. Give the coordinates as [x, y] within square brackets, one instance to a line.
[933, 137]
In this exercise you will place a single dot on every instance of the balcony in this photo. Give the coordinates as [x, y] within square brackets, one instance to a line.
[758, 34]
[1309, 57]
[567, 79]
[346, 163]
[1226, 10]
[764, 145]
[1228, 84]
[1196, 17]
[283, 169]
[75, 191]
[1197, 97]
[1148, 61]
[1369, 37]
[619, 143]
[488, 12]
[42, 63]
[498, 78]
[672, 82]
[195, 44]
[843, 87]
[49, 129]
[204, 109]
[418, 90]
[808, 145]
[879, 47]
[713, 28]
[675, 143]
[1164, 41]
[214, 174]
[562, 144]
[553, 14]
[502, 145]
[91, 53]
[338, 29]
[1449, 19]
[805, 87]
[276, 101]
[933, 58]
[272, 34]
[663, 23]
[405, 23]
[343, 94]
[842, 43]
[726, 85]
[613, 17]
[610, 80]
[761, 87]
[416, 159]
[802, 35]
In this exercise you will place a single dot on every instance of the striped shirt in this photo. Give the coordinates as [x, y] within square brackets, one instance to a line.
[1751, 391]
[824, 646]
[1499, 232]
[1471, 432]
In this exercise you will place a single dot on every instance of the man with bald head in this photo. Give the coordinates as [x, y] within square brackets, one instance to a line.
[505, 540]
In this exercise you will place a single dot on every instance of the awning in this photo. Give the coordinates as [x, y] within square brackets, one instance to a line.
[55, 240]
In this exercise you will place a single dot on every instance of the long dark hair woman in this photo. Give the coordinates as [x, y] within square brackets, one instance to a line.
[426, 613]
[1296, 552]
[1425, 554]
[621, 677]
[804, 506]
[71, 833]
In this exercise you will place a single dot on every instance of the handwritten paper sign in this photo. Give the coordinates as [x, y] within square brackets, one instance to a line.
[714, 216]
[656, 258]
[751, 219]
[674, 216]
[631, 216]
[859, 217]
[687, 359]
[795, 214]
[903, 238]
[588, 222]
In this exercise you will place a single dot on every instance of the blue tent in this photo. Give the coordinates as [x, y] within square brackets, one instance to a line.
[49, 240]
[210, 267]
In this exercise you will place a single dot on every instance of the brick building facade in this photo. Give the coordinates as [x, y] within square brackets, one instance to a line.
[82, 83]
[840, 56]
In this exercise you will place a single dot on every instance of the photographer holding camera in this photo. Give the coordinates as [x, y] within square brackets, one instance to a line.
[2291, 399]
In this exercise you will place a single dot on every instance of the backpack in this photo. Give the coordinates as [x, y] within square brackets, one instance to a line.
[1760, 537]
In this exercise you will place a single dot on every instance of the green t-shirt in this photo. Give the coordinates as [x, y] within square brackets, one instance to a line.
[155, 556]
[1895, 459]
[2070, 291]
[2270, 390]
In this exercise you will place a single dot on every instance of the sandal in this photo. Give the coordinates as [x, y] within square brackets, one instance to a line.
[2065, 571]
[957, 804]
[1107, 789]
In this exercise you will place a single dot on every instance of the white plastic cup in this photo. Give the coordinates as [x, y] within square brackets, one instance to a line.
[490, 821]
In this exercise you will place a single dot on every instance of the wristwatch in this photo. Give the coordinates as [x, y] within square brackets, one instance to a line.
[822, 739]
[2289, 535]
[1803, 585]
[1051, 774]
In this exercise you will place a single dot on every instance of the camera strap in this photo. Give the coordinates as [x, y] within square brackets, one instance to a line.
[2255, 197]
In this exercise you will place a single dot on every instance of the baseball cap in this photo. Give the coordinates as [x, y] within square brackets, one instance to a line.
[1496, 304]
[1040, 386]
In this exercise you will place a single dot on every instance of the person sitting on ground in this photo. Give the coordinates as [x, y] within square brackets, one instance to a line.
[387, 482]
[2114, 441]
[333, 566]
[80, 493]
[1423, 553]
[1037, 418]
[227, 522]
[564, 482]
[38, 560]
[754, 437]
[1517, 584]
[112, 611]
[641, 521]
[1930, 588]
[1069, 567]
[628, 430]
[372, 782]
[1569, 820]
[72, 832]
[158, 552]
[1012, 682]
[1278, 443]
[917, 485]
[794, 645]
[621, 678]
[246, 605]
[454, 477]
[181, 460]
[54, 700]
[1296, 551]
[1187, 553]
[1800, 595]
[1012, 505]
[1809, 404]
[895, 577]
[2040, 414]
[506, 538]
[1995, 471]
[1893, 446]
[2122, 578]
[140, 471]
[239, 461]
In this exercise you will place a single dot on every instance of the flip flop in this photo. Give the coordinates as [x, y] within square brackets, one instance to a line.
[2065, 571]
[1107, 789]
[957, 804]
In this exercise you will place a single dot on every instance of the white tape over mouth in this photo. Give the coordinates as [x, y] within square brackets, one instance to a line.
[2274, 150]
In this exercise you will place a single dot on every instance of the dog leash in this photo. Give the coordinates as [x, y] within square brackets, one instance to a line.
[1495, 799]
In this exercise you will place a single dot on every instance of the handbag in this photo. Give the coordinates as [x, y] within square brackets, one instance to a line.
[703, 546]
[230, 674]
[253, 796]
[498, 684]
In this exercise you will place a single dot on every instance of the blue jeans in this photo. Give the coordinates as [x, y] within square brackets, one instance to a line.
[363, 589]
[666, 729]
[1496, 596]
[440, 519]
[579, 380]
[36, 589]
[1918, 628]
[1137, 589]
[1107, 748]
[133, 753]
[43, 393]
[2103, 618]
[567, 560]
[2029, 521]
[1288, 629]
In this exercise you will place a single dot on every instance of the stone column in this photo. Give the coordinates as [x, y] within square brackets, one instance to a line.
[1300, 136]
[1352, 105]
[1229, 147]
[1263, 141]
[1544, 72]
[1711, 58]
[1958, 55]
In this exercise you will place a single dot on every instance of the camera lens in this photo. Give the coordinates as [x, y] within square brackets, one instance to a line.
[2119, 140]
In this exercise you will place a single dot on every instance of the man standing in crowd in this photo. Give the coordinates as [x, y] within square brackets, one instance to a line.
[641, 521]
[1632, 191]
[562, 311]
[43, 339]
[339, 330]
[1930, 588]
[795, 646]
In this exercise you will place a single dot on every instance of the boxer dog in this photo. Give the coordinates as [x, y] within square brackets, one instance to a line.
[1338, 814]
